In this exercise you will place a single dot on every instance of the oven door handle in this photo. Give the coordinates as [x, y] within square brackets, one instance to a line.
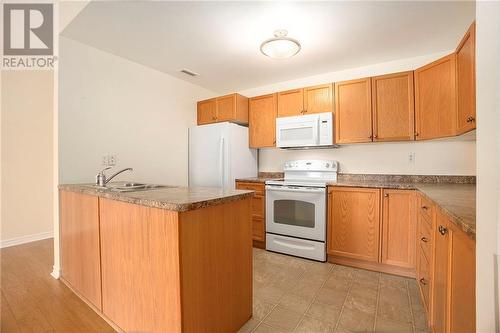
[296, 189]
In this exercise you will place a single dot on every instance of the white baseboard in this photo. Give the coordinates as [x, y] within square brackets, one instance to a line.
[25, 239]
[56, 272]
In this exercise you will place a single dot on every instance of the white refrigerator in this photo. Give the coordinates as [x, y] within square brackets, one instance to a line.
[218, 154]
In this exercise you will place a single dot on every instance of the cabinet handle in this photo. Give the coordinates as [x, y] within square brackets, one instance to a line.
[424, 239]
[470, 119]
[442, 230]
[422, 281]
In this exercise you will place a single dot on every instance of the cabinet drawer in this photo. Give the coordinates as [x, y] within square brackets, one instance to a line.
[258, 206]
[257, 187]
[423, 279]
[426, 208]
[424, 236]
[258, 229]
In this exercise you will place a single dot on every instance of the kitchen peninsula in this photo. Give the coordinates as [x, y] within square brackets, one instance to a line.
[168, 259]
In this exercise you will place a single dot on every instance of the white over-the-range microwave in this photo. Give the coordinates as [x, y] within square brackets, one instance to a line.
[309, 131]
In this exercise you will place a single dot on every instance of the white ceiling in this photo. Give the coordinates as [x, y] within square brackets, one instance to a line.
[221, 40]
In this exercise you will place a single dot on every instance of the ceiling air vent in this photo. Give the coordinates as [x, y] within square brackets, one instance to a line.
[188, 72]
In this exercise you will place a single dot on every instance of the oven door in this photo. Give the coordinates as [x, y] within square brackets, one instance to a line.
[296, 211]
[300, 131]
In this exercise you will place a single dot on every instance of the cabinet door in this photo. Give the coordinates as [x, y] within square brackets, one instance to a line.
[226, 107]
[318, 99]
[262, 121]
[442, 241]
[207, 111]
[354, 223]
[80, 254]
[466, 81]
[393, 107]
[462, 309]
[398, 228]
[291, 103]
[435, 99]
[353, 111]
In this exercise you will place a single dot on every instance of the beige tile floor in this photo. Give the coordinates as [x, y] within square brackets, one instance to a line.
[298, 295]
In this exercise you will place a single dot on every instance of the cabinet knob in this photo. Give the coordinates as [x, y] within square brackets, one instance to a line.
[375, 136]
[386, 195]
[423, 281]
[370, 137]
[470, 119]
[416, 133]
[424, 239]
[425, 207]
[442, 230]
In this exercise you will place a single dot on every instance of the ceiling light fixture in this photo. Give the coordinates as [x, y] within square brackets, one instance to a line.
[280, 46]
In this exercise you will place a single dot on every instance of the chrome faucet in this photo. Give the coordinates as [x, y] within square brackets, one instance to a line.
[102, 180]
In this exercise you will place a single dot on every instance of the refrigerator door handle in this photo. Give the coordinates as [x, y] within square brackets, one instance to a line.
[221, 161]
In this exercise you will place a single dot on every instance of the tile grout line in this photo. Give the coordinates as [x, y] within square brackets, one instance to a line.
[313, 299]
[411, 307]
[377, 303]
[272, 309]
[343, 305]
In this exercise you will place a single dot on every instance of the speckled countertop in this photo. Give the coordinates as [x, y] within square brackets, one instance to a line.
[455, 196]
[180, 199]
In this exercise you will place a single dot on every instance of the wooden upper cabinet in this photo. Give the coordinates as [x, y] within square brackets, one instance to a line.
[353, 223]
[207, 111]
[318, 99]
[262, 112]
[353, 111]
[398, 228]
[226, 107]
[393, 107]
[466, 82]
[435, 99]
[233, 107]
[291, 103]
[80, 251]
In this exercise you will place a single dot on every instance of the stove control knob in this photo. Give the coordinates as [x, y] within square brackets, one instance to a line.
[327, 165]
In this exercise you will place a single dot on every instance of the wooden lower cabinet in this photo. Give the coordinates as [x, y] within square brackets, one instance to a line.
[372, 233]
[353, 223]
[258, 212]
[398, 228]
[80, 256]
[453, 288]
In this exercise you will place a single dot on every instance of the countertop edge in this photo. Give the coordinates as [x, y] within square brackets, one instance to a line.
[177, 207]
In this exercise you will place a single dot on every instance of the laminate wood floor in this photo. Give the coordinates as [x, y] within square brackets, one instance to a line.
[33, 301]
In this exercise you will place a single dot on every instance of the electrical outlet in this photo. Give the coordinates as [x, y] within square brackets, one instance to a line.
[112, 160]
[411, 158]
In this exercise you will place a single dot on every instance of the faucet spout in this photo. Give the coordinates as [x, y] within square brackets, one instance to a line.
[116, 174]
[102, 180]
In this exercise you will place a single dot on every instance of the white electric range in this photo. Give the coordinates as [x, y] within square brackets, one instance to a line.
[296, 209]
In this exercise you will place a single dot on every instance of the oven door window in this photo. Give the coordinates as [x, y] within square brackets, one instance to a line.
[294, 213]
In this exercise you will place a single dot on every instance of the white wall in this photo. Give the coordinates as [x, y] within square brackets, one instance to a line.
[111, 105]
[27, 156]
[451, 157]
[488, 163]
